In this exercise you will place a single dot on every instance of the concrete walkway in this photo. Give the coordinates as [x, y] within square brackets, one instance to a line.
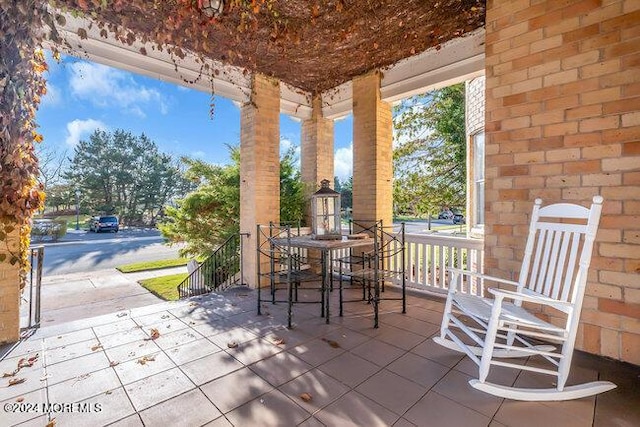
[75, 296]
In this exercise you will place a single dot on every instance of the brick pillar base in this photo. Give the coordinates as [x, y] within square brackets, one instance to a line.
[259, 167]
[10, 291]
[372, 152]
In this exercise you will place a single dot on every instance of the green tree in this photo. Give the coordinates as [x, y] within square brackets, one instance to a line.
[210, 214]
[430, 152]
[119, 173]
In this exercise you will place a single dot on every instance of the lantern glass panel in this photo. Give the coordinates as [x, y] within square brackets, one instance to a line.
[325, 205]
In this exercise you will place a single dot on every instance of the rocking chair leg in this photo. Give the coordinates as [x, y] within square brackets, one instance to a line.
[490, 340]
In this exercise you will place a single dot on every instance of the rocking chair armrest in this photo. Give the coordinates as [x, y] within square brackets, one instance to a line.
[482, 276]
[539, 299]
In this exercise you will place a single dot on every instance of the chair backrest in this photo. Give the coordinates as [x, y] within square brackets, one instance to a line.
[558, 250]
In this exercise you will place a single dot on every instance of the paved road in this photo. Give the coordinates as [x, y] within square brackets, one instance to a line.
[91, 251]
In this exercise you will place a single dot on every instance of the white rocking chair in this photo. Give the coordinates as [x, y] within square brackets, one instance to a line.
[553, 275]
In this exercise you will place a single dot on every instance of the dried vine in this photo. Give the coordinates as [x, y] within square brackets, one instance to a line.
[21, 87]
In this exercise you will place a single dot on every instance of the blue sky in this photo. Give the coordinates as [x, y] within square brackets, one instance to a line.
[83, 96]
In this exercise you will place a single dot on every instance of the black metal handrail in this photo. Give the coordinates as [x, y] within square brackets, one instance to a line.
[220, 271]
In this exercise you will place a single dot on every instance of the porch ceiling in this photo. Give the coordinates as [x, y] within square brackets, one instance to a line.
[312, 45]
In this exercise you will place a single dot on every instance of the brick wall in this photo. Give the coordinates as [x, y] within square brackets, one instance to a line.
[9, 291]
[259, 166]
[316, 152]
[372, 152]
[563, 123]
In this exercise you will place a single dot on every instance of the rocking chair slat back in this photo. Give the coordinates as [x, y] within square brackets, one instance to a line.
[553, 247]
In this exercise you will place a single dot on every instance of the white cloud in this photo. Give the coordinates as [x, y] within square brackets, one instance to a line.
[198, 154]
[343, 162]
[285, 145]
[107, 87]
[78, 129]
[53, 96]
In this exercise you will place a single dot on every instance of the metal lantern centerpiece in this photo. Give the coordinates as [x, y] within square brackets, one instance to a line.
[325, 209]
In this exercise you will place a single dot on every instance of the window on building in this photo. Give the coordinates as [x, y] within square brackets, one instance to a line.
[478, 177]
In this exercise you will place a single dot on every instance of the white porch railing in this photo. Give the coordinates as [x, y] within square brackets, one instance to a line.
[427, 257]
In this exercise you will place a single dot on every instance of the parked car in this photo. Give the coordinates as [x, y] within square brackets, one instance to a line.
[445, 214]
[104, 223]
[458, 218]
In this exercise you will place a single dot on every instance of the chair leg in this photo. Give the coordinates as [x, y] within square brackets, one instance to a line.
[490, 340]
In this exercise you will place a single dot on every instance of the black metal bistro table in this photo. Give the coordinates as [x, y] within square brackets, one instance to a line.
[326, 248]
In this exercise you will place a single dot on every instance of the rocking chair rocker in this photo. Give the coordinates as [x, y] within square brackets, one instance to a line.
[553, 275]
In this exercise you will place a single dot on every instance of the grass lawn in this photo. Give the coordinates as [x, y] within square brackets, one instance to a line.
[152, 265]
[164, 287]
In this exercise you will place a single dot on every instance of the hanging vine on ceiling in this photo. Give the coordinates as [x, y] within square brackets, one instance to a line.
[21, 88]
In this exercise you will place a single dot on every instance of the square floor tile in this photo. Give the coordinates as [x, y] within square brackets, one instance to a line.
[434, 410]
[191, 351]
[71, 351]
[214, 327]
[317, 351]
[101, 410]
[252, 351]
[115, 327]
[14, 414]
[142, 367]
[73, 368]
[210, 367]
[399, 337]
[156, 388]
[84, 386]
[154, 318]
[235, 389]
[347, 338]
[132, 350]
[189, 409]
[349, 369]
[122, 337]
[130, 421]
[455, 386]
[271, 409]
[354, 409]
[232, 335]
[175, 338]
[392, 391]
[378, 352]
[418, 369]
[432, 351]
[68, 338]
[280, 368]
[321, 387]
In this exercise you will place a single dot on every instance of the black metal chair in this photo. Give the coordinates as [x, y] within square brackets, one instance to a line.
[285, 268]
[385, 262]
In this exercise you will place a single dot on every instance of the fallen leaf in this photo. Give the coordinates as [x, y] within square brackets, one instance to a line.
[143, 360]
[232, 344]
[121, 314]
[16, 381]
[108, 392]
[45, 377]
[96, 347]
[165, 316]
[5, 375]
[306, 397]
[155, 334]
[332, 343]
[20, 399]
[113, 363]
[278, 341]
[193, 304]
[51, 423]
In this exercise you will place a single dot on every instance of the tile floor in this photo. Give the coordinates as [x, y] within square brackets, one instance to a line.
[216, 363]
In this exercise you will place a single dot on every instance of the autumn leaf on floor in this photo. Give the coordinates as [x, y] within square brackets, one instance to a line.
[155, 334]
[96, 347]
[113, 363]
[6, 375]
[143, 360]
[121, 314]
[27, 363]
[278, 341]
[20, 399]
[51, 423]
[332, 343]
[232, 344]
[16, 381]
[306, 397]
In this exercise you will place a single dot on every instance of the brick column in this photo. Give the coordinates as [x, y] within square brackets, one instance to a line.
[563, 124]
[259, 166]
[316, 151]
[372, 152]
[9, 290]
